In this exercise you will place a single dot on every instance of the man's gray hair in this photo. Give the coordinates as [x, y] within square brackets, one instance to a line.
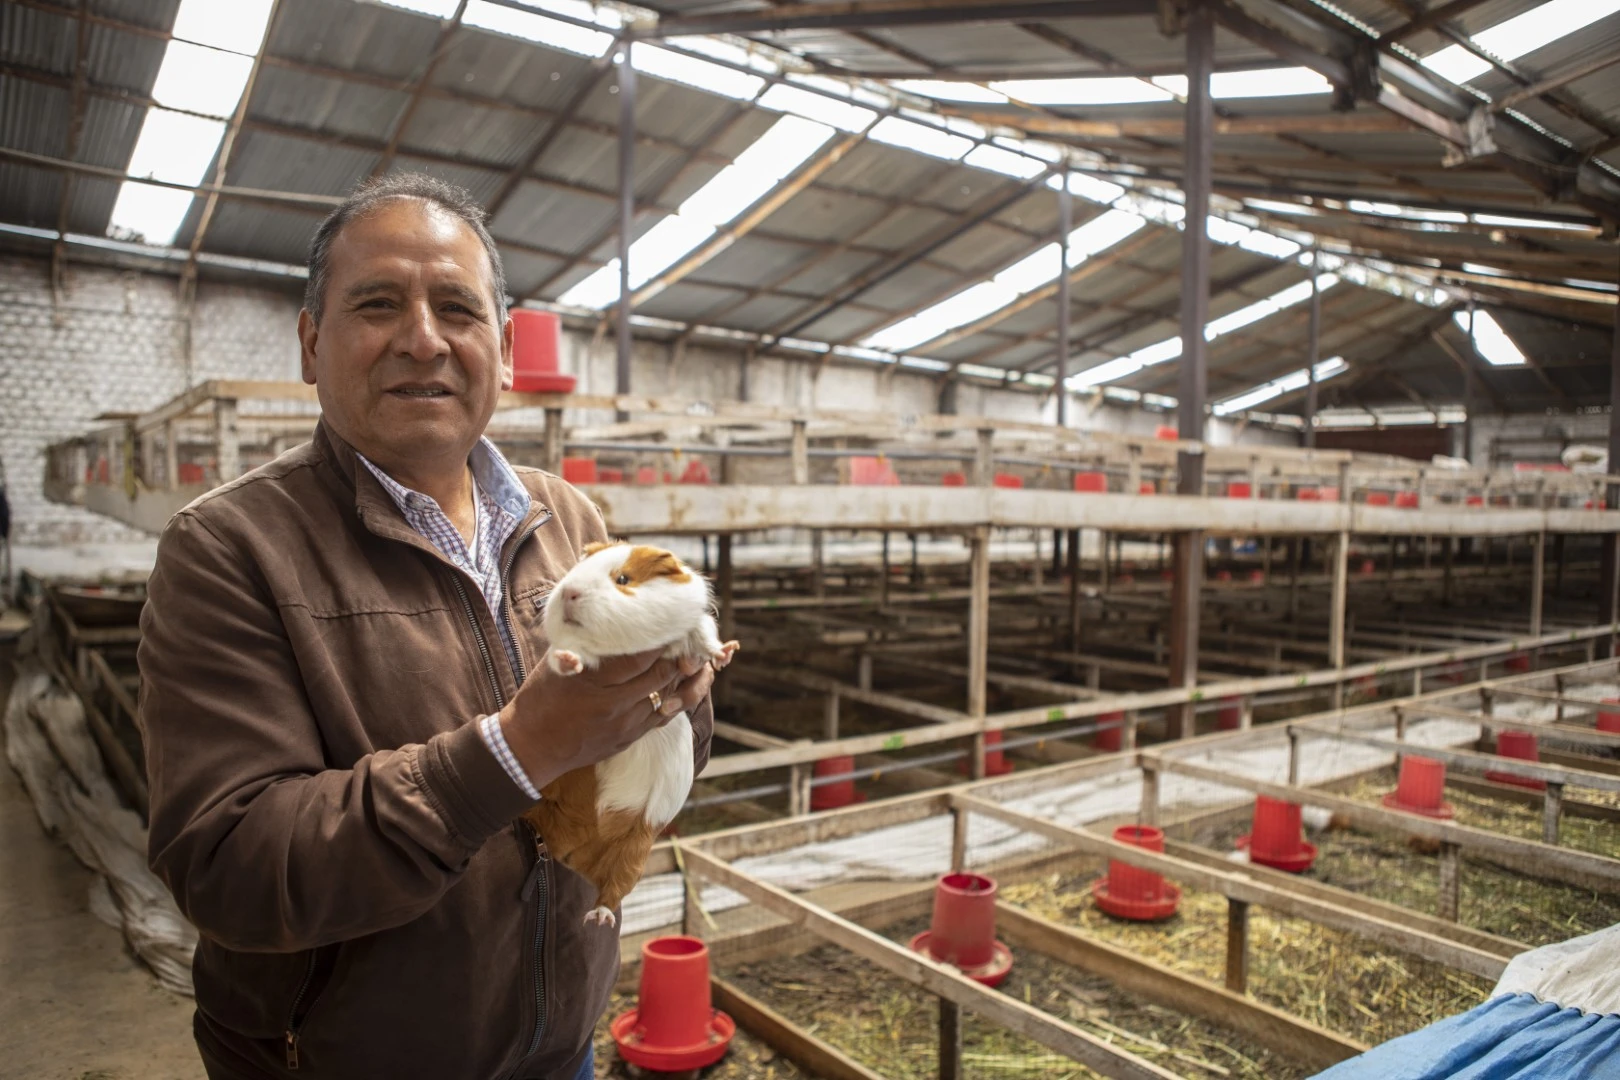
[373, 193]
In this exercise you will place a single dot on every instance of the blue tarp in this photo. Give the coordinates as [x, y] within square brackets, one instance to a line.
[1512, 1037]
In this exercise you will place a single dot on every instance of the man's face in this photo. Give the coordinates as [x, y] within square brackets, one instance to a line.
[408, 359]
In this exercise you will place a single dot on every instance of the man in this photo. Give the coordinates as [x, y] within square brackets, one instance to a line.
[344, 704]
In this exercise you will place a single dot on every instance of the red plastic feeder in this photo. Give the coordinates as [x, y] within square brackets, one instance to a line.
[1091, 482]
[1518, 663]
[1520, 745]
[647, 475]
[579, 470]
[838, 793]
[1257, 576]
[872, 472]
[1475, 500]
[962, 932]
[191, 473]
[536, 342]
[1230, 716]
[995, 761]
[610, 476]
[1147, 487]
[1421, 788]
[1007, 480]
[1129, 892]
[1166, 432]
[1377, 498]
[1278, 837]
[1406, 500]
[1223, 575]
[1110, 739]
[696, 473]
[1167, 575]
[954, 479]
[674, 1026]
[1607, 719]
[1367, 566]
[1239, 490]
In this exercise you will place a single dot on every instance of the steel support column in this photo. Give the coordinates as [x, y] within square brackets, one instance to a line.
[1609, 580]
[627, 213]
[1065, 226]
[1189, 546]
[1313, 352]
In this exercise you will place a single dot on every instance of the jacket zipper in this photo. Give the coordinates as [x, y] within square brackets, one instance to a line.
[294, 1021]
[538, 883]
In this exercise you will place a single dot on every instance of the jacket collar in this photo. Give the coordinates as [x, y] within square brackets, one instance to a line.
[376, 508]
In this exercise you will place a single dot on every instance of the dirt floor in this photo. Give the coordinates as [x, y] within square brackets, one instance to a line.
[74, 1003]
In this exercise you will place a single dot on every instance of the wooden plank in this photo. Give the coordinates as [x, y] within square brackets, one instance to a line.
[938, 979]
[819, 1058]
[1474, 761]
[1276, 1030]
[1237, 885]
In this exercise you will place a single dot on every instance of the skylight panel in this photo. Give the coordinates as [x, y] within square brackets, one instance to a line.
[1109, 371]
[843, 89]
[910, 135]
[842, 115]
[995, 159]
[1092, 90]
[1274, 82]
[1101, 233]
[947, 90]
[753, 173]
[1264, 243]
[1033, 271]
[1294, 380]
[727, 82]
[552, 33]
[1519, 35]
[1272, 207]
[1048, 152]
[200, 79]
[1490, 340]
[440, 9]
[1412, 213]
[720, 49]
[234, 25]
[971, 303]
[175, 147]
[151, 213]
[1529, 223]
[1088, 187]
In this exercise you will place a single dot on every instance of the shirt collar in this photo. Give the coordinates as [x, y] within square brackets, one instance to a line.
[491, 473]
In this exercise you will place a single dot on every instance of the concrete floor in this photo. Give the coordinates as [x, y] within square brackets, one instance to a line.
[74, 1003]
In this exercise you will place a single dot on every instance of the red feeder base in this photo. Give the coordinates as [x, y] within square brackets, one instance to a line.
[1443, 812]
[1137, 910]
[1297, 863]
[989, 973]
[636, 1051]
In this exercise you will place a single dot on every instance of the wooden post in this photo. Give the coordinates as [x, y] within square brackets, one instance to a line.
[950, 1040]
[1450, 884]
[1538, 579]
[818, 567]
[1552, 808]
[724, 590]
[551, 448]
[1341, 584]
[1446, 578]
[984, 464]
[1102, 566]
[829, 716]
[863, 671]
[959, 840]
[800, 452]
[978, 660]
[883, 573]
[1237, 945]
[1246, 715]
[171, 457]
[1293, 756]
[1074, 589]
[1148, 814]
[227, 443]
[1293, 579]
[799, 789]
[1127, 738]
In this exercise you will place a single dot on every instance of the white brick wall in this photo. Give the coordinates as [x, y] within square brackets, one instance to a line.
[116, 343]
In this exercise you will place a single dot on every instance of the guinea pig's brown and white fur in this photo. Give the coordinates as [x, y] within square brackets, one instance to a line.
[601, 820]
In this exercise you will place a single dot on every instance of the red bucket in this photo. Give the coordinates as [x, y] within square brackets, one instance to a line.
[1278, 836]
[1240, 490]
[1230, 716]
[536, 342]
[1111, 739]
[1091, 482]
[579, 470]
[1607, 719]
[1520, 745]
[1421, 788]
[674, 1026]
[962, 932]
[1129, 892]
[995, 762]
[839, 792]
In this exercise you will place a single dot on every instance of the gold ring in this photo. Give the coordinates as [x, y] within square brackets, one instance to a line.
[656, 699]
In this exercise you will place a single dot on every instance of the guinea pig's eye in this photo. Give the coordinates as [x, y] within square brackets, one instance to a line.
[622, 579]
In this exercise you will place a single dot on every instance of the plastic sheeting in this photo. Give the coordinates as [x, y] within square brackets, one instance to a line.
[49, 745]
[1583, 973]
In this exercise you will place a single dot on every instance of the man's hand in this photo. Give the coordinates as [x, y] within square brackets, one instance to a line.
[557, 723]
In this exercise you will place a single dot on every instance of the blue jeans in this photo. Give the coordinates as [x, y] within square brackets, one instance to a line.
[587, 1068]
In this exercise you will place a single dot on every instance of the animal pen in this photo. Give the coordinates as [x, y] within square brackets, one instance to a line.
[980, 651]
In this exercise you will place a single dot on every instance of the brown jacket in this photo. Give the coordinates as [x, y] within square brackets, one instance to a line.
[322, 805]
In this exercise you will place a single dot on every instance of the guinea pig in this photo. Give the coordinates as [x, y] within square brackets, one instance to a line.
[601, 820]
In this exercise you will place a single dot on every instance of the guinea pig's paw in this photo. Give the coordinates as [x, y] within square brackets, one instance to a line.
[722, 656]
[602, 916]
[566, 662]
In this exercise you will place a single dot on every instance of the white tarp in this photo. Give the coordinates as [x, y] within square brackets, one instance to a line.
[1581, 973]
